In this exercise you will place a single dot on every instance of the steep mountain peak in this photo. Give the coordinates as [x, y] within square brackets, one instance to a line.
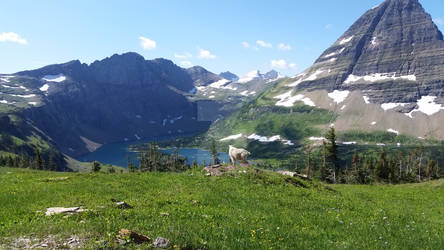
[395, 42]
[201, 76]
[229, 76]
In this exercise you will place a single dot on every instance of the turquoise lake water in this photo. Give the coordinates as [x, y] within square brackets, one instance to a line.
[116, 154]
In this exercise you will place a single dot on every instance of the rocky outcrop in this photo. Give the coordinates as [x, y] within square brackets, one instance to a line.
[229, 76]
[201, 76]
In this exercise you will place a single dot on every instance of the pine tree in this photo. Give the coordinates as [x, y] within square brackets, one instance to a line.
[96, 166]
[308, 152]
[51, 162]
[355, 161]
[38, 163]
[131, 166]
[213, 152]
[332, 153]
[324, 161]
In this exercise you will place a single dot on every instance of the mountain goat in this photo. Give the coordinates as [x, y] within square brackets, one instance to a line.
[239, 154]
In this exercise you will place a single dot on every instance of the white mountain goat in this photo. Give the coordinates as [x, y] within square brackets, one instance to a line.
[239, 154]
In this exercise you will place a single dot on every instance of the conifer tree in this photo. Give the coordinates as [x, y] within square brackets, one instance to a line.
[213, 152]
[96, 166]
[38, 163]
[332, 153]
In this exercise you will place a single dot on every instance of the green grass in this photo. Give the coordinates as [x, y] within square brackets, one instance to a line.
[239, 211]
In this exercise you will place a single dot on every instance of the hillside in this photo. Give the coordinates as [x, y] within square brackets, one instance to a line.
[379, 85]
[254, 210]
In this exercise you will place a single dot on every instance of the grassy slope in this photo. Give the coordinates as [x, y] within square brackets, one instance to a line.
[253, 211]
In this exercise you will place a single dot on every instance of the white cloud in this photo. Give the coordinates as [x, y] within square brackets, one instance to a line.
[12, 37]
[292, 66]
[328, 26]
[146, 43]
[279, 64]
[205, 54]
[245, 45]
[264, 44]
[185, 55]
[283, 46]
[186, 64]
[438, 21]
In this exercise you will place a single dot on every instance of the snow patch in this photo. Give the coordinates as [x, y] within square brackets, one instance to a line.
[4, 101]
[54, 78]
[366, 99]
[378, 77]
[246, 93]
[24, 96]
[390, 130]
[32, 103]
[388, 106]
[274, 138]
[345, 40]
[231, 137]
[343, 107]
[373, 123]
[334, 53]
[315, 75]
[44, 87]
[380, 144]
[219, 84]
[339, 96]
[349, 143]
[249, 76]
[137, 137]
[333, 60]
[316, 138]
[286, 100]
[212, 96]
[374, 41]
[426, 105]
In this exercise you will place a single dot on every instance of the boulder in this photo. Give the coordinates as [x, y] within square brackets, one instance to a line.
[64, 210]
[161, 243]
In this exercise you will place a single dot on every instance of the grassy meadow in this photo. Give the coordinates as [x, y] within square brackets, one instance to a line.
[239, 210]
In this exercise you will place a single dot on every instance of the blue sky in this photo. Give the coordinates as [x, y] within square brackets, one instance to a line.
[285, 35]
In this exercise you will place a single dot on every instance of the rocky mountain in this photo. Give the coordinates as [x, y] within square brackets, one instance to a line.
[393, 58]
[381, 83]
[229, 76]
[201, 76]
[80, 107]
[222, 97]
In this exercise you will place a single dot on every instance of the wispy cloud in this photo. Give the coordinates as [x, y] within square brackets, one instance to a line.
[279, 64]
[205, 54]
[186, 64]
[245, 45]
[328, 26]
[282, 64]
[185, 55]
[12, 37]
[438, 21]
[264, 44]
[283, 46]
[146, 43]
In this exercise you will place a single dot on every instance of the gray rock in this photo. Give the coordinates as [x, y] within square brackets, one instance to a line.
[123, 205]
[161, 243]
